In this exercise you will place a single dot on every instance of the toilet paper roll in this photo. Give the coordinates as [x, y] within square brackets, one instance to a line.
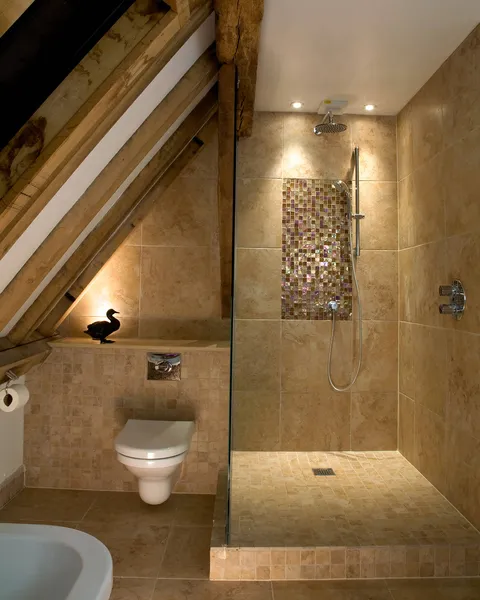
[15, 396]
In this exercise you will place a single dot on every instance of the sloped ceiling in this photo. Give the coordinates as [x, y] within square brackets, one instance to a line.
[366, 51]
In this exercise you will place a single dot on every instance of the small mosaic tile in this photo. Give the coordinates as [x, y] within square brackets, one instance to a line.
[315, 250]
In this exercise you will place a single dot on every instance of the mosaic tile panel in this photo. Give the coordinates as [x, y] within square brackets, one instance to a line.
[315, 250]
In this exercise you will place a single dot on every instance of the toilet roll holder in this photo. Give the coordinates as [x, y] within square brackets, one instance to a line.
[8, 399]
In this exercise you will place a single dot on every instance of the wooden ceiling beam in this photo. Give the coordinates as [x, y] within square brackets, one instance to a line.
[182, 8]
[226, 180]
[238, 36]
[20, 359]
[117, 222]
[191, 86]
[23, 203]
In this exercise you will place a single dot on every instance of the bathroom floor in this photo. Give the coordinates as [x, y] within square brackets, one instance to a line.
[162, 553]
[374, 498]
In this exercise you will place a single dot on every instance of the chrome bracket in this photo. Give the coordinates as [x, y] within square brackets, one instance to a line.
[458, 299]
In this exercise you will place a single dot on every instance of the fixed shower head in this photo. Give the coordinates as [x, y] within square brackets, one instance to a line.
[328, 125]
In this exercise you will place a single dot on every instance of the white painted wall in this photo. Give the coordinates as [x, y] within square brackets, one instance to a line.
[96, 161]
[11, 442]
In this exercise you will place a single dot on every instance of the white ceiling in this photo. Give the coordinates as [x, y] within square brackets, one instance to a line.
[366, 51]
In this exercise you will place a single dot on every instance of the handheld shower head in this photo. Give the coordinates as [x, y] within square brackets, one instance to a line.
[328, 125]
[342, 187]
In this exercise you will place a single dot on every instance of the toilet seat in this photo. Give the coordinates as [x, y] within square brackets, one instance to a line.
[152, 441]
[155, 463]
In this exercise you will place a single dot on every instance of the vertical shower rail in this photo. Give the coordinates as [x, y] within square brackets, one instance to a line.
[356, 157]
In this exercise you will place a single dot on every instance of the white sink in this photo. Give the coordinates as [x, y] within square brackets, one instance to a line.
[54, 563]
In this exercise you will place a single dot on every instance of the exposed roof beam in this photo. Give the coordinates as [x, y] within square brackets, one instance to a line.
[181, 7]
[20, 359]
[117, 223]
[24, 202]
[226, 179]
[238, 35]
[192, 85]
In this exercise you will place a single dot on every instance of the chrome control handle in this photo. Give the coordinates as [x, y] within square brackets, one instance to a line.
[458, 299]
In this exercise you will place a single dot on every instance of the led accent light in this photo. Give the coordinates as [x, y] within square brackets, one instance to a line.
[369, 107]
[297, 104]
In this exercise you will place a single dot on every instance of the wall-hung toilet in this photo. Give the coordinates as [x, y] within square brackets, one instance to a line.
[154, 452]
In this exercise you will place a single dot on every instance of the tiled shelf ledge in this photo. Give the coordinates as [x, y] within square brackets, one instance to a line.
[145, 344]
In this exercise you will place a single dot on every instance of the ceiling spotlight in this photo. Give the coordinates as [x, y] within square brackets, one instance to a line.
[297, 104]
[369, 106]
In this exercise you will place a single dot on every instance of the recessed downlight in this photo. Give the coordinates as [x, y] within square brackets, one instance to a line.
[370, 107]
[296, 104]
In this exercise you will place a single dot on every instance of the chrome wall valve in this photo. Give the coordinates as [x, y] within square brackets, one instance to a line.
[458, 299]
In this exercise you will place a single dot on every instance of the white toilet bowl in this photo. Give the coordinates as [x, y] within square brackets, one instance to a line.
[154, 452]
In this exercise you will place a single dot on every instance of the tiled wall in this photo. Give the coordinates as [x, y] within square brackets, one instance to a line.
[282, 399]
[439, 239]
[82, 397]
[165, 280]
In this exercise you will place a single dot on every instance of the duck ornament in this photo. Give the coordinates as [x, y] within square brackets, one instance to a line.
[100, 330]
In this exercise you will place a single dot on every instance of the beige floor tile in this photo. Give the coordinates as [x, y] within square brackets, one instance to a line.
[194, 509]
[49, 505]
[277, 501]
[320, 590]
[128, 507]
[212, 590]
[187, 554]
[137, 550]
[446, 589]
[132, 589]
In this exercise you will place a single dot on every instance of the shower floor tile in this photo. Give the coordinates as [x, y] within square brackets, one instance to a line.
[374, 499]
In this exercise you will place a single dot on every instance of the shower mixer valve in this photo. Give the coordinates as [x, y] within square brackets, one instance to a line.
[458, 299]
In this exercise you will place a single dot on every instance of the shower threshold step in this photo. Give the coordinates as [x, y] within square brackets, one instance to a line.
[334, 562]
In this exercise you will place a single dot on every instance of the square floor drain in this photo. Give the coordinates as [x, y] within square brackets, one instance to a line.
[323, 472]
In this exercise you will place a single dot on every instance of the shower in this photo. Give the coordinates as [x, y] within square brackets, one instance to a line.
[328, 125]
[343, 188]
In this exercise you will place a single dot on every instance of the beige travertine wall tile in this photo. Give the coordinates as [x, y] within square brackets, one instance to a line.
[258, 285]
[378, 202]
[406, 427]
[179, 283]
[429, 445]
[261, 432]
[259, 213]
[421, 205]
[461, 185]
[81, 398]
[376, 138]
[461, 70]
[439, 161]
[421, 271]
[116, 286]
[430, 346]
[406, 359]
[464, 382]
[185, 215]
[309, 156]
[257, 355]
[463, 256]
[305, 353]
[317, 421]
[404, 142]
[261, 154]
[165, 278]
[374, 421]
[377, 277]
[426, 114]
[380, 357]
